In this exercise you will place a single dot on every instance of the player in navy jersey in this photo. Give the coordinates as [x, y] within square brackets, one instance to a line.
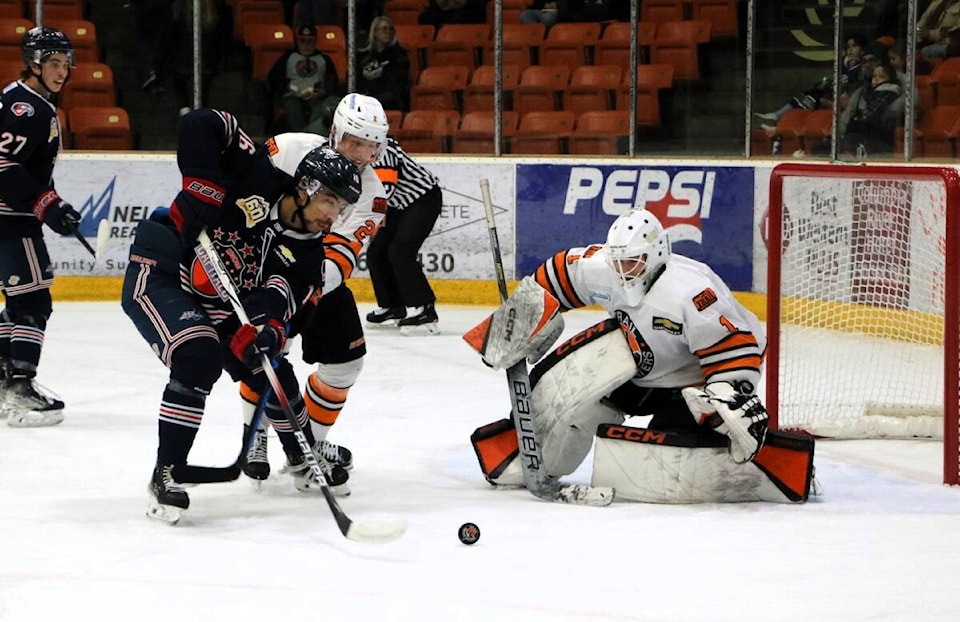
[267, 209]
[29, 144]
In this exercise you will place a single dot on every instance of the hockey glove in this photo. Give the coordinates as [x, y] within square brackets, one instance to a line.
[195, 206]
[250, 342]
[742, 417]
[56, 213]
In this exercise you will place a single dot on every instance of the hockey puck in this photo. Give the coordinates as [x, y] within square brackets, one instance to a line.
[468, 533]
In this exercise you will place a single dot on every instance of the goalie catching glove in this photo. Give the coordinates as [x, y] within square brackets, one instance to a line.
[743, 419]
[524, 327]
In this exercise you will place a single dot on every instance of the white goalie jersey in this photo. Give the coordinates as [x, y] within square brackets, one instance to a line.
[687, 330]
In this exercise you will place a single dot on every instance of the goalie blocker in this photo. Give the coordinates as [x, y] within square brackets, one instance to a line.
[642, 465]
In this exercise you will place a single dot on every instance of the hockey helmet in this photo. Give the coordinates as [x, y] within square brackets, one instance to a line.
[325, 168]
[361, 116]
[40, 42]
[637, 248]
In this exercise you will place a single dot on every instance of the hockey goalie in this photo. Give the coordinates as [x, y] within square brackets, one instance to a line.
[665, 387]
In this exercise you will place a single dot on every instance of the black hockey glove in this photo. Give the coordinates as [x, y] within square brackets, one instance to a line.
[195, 206]
[250, 342]
[56, 213]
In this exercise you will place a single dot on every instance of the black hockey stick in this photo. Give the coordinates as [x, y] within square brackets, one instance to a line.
[220, 278]
[535, 478]
[195, 474]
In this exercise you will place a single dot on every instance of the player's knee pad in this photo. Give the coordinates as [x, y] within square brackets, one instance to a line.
[197, 363]
[31, 308]
[340, 375]
[670, 467]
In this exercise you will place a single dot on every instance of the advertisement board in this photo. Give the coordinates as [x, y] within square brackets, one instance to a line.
[707, 210]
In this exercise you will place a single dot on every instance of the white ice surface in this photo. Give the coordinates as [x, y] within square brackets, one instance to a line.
[882, 543]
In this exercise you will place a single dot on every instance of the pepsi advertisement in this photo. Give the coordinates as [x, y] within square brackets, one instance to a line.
[706, 210]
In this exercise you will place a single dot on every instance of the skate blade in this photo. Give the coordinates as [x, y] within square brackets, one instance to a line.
[383, 324]
[423, 329]
[17, 418]
[256, 484]
[168, 514]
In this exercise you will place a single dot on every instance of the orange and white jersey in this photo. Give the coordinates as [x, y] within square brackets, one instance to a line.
[355, 227]
[687, 330]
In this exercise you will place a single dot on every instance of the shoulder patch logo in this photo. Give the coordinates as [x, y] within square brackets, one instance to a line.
[380, 205]
[704, 299]
[22, 109]
[668, 325]
[255, 209]
[271, 146]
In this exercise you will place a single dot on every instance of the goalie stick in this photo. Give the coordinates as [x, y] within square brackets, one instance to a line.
[360, 532]
[536, 480]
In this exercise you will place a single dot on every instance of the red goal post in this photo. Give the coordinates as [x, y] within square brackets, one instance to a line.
[861, 259]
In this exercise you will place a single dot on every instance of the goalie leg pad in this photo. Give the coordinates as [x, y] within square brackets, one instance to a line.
[497, 449]
[568, 385]
[524, 327]
[665, 467]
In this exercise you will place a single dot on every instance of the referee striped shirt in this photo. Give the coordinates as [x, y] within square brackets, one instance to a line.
[403, 178]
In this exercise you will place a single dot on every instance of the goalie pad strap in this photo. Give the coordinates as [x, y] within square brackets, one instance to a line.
[496, 447]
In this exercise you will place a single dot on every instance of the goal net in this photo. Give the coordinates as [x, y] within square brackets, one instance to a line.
[861, 344]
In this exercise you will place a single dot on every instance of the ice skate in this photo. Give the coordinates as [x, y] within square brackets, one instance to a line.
[27, 405]
[257, 465]
[423, 321]
[386, 317]
[335, 454]
[167, 499]
[305, 481]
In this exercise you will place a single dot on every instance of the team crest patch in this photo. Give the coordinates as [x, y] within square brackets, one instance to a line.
[380, 205]
[22, 109]
[704, 299]
[668, 325]
[254, 209]
[54, 130]
[191, 314]
[271, 146]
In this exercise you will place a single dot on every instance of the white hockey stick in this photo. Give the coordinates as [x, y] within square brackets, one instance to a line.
[370, 532]
[537, 481]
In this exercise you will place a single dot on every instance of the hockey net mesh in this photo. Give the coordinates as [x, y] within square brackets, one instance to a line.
[861, 268]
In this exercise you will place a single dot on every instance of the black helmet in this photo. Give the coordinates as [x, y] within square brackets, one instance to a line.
[40, 42]
[325, 168]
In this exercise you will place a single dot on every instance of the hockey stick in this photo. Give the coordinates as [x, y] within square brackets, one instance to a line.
[195, 474]
[220, 278]
[537, 481]
[103, 234]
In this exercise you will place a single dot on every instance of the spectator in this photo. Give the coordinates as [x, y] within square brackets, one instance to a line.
[867, 126]
[820, 95]
[211, 44]
[304, 84]
[385, 67]
[550, 12]
[940, 18]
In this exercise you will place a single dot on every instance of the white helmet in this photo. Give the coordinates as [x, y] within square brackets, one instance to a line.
[361, 116]
[636, 249]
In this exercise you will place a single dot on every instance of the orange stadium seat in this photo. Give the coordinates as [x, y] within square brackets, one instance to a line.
[11, 37]
[570, 43]
[415, 39]
[458, 44]
[404, 12]
[476, 133]
[521, 44]
[255, 12]
[543, 132]
[540, 88]
[439, 88]
[267, 43]
[722, 15]
[600, 132]
[100, 128]
[83, 37]
[661, 10]
[428, 131]
[90, 84]
[592, 87]
[478, 94]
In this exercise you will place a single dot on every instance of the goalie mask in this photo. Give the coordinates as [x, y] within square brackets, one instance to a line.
[361, 116]
[636, 250]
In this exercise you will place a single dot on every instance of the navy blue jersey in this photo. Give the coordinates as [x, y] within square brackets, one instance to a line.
[261, 254]
[29, 144]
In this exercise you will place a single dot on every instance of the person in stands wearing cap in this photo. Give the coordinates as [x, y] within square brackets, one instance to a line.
[304, 84]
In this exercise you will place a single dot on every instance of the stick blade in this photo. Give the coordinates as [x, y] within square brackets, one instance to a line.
[103, 236]
[376, 532]
[576, 494]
